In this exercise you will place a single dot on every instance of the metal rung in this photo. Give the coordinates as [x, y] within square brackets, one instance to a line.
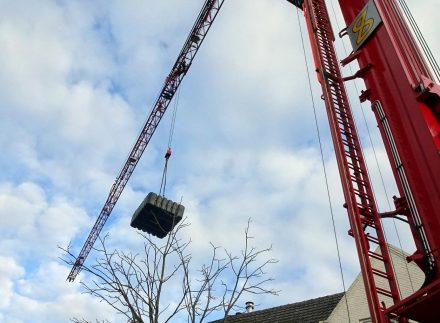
[358, 180]
[341, 118]
[355, 168]
[381, 273]
[365, 211]
[358, 191]
[354, 148]
[363, 195]
[347, 134]
[361, 205]
[372, 239]
[353, 157]
[340, 110]
[349, 139]
[384, 292]
[360, 199]
[376, 255]
[348, 142]
[337, 99]
[368, 223]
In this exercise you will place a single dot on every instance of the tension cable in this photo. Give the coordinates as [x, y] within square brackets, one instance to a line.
[168, 153]
[421, 39]
[323, 167]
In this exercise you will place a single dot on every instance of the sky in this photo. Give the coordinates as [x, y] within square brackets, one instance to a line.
[78, 79]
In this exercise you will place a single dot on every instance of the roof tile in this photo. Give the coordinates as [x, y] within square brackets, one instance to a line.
[310, 311]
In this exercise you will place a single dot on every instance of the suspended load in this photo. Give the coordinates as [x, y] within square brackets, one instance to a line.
[157, 215]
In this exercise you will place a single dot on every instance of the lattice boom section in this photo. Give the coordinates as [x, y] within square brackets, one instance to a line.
[195, 39]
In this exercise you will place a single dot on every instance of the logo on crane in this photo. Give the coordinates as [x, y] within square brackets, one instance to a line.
[364, 25]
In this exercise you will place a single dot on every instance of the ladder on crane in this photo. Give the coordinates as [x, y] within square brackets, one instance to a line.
[366, 227]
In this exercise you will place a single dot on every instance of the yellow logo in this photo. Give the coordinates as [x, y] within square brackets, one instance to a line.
[362, 26]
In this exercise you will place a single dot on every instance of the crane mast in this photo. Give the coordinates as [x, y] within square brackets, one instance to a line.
[364, 218]
[192, 44]
[406, 102]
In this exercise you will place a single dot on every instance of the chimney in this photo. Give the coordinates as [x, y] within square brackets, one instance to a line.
[249, 307]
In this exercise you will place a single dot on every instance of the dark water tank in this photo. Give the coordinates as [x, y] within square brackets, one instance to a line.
[157, 215]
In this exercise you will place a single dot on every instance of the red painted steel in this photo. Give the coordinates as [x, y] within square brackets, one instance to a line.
[365, 223]
[203, 23]
[406, 104]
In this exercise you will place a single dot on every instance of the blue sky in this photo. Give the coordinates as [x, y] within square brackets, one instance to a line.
[77, 80]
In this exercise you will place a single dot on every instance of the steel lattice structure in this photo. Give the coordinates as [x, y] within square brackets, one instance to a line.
[192, 44]
[365, 220]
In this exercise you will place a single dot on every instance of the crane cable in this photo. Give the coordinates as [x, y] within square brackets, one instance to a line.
[377, 163]
[323, 167]
[421, 39]
[168, 151]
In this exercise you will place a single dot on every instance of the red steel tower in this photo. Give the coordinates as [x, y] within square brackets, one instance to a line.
[406, 102]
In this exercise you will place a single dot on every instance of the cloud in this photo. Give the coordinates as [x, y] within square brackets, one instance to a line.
[32, 278]
[31, 223]
[44, 296]
[9, 271]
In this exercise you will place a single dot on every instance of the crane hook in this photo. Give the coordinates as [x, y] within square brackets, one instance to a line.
[168, 153]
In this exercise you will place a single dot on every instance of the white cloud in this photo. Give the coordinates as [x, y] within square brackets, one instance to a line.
[32, 225]
[45, 296]
[9, 272]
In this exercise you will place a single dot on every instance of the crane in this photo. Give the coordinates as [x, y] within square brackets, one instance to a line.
[172, 82]
[406, 103]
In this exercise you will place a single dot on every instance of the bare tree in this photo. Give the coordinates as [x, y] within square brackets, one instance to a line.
[248, 272]
[135, 284]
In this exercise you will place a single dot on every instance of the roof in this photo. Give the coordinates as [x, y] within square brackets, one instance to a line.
[310, 311]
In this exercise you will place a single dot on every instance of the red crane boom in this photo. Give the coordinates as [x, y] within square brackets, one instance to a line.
[201, 27]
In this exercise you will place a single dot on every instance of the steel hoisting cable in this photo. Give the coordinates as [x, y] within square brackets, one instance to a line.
[173, 118]
[323, 166]
[163, 182]
[376, 160]
[421, 39]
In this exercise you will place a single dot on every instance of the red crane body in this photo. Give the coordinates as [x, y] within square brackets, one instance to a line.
[358, 193]
[406, 102]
